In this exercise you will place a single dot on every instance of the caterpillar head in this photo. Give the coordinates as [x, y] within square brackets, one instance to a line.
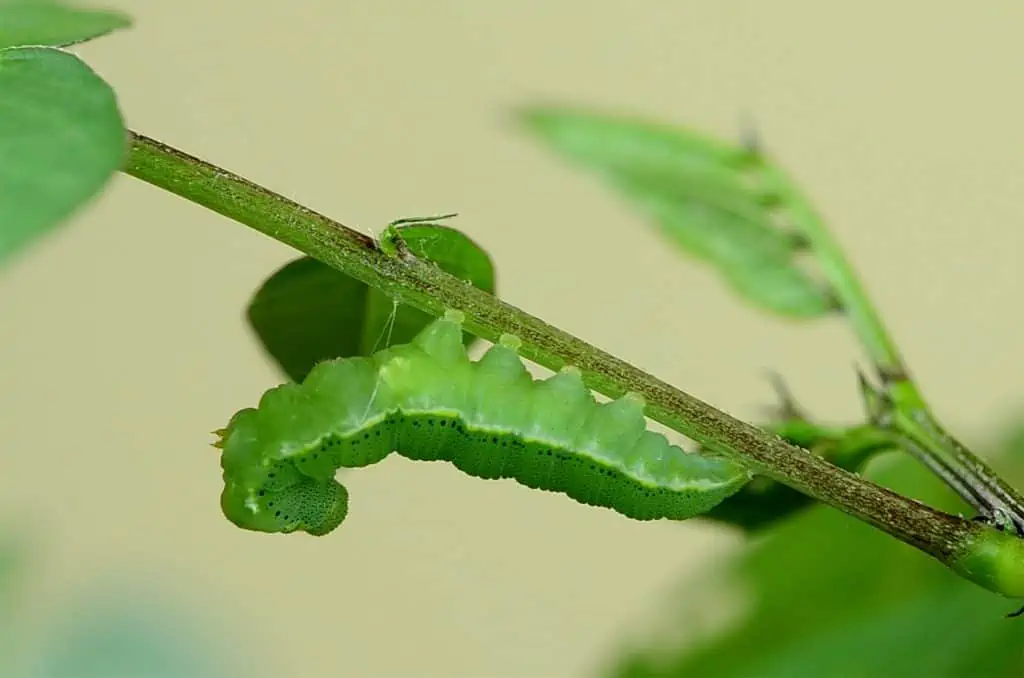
[268, 494]
[312, 506]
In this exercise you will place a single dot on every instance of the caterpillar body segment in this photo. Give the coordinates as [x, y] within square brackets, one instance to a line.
[428, 401]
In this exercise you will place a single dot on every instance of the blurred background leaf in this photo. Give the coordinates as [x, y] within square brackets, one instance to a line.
[114, 638]
[61, 139]
[308, 312]
[702, 194]
[10, 574]
[44, 22]
[9, 565]
[117, 630]
[828, 596]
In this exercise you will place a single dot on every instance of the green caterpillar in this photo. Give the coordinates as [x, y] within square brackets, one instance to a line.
[427, 400]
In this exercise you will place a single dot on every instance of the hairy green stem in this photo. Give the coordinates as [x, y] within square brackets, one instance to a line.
[422, 285]
[908, 413]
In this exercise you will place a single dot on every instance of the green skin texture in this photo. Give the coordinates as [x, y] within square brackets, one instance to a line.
[428, 401]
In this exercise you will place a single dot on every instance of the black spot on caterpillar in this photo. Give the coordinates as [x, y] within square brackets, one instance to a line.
[428, 401]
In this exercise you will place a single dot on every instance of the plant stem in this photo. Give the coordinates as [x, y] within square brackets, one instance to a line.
[425, 286]
[908, 413]
[976, 482]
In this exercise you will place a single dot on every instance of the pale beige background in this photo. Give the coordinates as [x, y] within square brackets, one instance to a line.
[124, 343]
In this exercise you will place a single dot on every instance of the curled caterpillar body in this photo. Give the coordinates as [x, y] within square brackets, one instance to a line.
[427, 400]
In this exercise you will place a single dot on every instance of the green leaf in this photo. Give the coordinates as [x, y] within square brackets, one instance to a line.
[749, 255]
[830, 597]
[703, 196]
[33, 22]
[61, 139]
[308, 312]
